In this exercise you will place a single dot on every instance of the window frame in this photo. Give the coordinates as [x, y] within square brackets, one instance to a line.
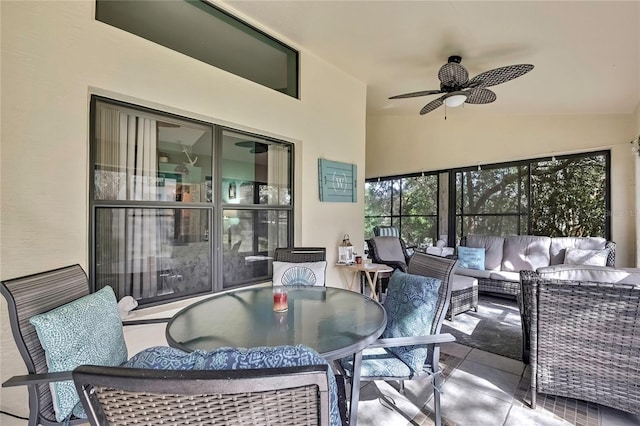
[396, 215]
[215, 208]
[452, 214]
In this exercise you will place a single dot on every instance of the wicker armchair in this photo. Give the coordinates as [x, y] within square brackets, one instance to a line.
[283, 396]
[584, 340]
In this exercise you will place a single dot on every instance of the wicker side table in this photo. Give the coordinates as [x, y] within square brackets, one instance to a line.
[464, 295]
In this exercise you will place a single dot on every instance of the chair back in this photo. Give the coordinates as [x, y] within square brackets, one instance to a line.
[312, 273]
[284, 396]
[436, 267]
[391, 251]
[386, 231]
[31, 295]
[300, 254]
[584, 339]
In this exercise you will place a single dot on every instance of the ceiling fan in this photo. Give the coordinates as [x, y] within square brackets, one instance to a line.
[255, 147]
[458, 89]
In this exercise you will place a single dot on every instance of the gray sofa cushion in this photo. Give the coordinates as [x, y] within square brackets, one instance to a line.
[525, 253]
[461, 282]
[493, 247]
[505, 276]
[560, 244]
[601, 274]
[473, 273]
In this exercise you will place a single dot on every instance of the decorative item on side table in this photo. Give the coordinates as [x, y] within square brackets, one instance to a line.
[346, 255]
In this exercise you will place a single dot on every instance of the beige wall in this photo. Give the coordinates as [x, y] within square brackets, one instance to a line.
[397, 145]
[54, 55]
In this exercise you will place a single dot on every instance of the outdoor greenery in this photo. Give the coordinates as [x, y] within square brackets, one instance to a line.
[410, 203]
[569, 197]
[558, 197]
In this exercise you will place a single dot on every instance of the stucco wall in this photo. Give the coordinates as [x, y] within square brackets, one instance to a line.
[55, 55]
[397, 145]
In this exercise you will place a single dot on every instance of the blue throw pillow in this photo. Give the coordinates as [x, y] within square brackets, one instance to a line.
[471, 258]
[411, 308]
[165, 358]
[85, 331]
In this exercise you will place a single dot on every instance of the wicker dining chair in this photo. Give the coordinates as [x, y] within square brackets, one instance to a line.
[300, 254]
[283, 396]
[285, 271]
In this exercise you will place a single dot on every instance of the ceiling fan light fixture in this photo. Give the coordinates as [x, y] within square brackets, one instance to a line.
[455, 100]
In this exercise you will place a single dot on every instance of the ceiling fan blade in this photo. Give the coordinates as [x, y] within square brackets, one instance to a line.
[480, 96]
[500, 75]
[431, 106]
[416, 94]
[453, 74]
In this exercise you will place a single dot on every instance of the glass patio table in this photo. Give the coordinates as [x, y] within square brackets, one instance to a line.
[335, 322]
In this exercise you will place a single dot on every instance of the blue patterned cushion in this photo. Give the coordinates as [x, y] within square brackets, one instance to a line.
[471, 258]
[411, 307]
[85, 331]
[165, 358]
[377, 362]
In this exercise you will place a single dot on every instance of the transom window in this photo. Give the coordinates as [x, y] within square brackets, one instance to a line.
[209, 34]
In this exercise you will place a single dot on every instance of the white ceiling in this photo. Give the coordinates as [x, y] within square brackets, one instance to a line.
[586, 53]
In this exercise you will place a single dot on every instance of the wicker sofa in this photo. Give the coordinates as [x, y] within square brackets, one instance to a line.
[505, 257]
[584, 336]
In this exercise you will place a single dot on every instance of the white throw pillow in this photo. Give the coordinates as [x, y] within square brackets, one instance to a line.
[574, 256]
[303, 273]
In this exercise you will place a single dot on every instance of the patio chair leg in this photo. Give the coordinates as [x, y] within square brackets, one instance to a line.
[401, 387]
[437, 383]
[533, 399]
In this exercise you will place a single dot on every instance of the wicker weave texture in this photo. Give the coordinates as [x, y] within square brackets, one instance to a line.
[507, 288]
[300, 254]
[585, 340]
[295, 406]
[463, 300]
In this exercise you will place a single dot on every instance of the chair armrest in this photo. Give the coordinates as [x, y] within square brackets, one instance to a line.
[35, 379]
[146, 321]
[413, 340]
[395, 264]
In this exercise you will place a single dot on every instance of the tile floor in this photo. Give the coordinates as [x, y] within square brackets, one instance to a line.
[480, 388]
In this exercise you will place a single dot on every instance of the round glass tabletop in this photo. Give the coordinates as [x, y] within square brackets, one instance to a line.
[333, 321]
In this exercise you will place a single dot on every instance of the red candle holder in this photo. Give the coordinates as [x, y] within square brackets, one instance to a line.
[280, 299]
